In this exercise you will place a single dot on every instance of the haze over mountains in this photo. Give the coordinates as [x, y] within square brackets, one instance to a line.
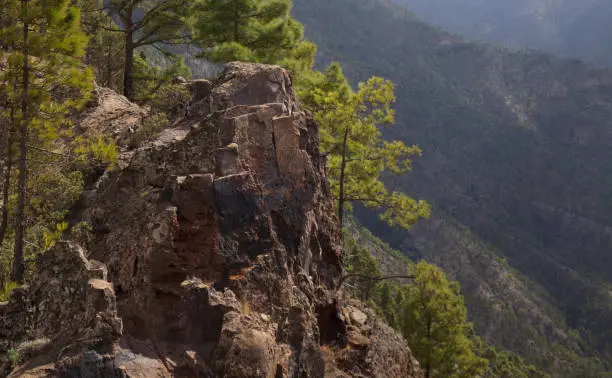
[571, 28]
[517, 165]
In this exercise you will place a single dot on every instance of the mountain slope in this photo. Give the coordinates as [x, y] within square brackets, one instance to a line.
[578, 29]
[517, 146]
[505, 307]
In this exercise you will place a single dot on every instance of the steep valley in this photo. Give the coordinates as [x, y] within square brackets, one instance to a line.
[516, 164]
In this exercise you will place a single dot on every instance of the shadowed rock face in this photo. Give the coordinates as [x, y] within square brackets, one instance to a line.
[214, 253]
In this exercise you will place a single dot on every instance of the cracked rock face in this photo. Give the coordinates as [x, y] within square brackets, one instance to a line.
[214, 254]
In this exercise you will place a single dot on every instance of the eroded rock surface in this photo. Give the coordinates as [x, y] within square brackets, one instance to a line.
[214, 254]
[111, 114]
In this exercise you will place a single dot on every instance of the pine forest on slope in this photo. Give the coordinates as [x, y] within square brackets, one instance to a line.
[516, 155]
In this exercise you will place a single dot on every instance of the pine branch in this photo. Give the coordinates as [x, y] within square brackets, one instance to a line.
[371, 278]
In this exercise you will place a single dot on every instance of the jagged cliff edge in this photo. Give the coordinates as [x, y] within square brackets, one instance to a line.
[215, 252]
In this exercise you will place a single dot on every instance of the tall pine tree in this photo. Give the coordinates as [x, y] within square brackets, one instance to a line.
[46, 44]
[105, 52]
[147, 23]
[434, 319]
[7, 122]
[248, 30]
[358, 155]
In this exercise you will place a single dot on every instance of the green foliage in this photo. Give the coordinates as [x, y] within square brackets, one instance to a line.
[507, 364]
[429, 312]
[96, 149]
[53, 190]
[351, 136]
[147, 23]
[248, 30]
[311, 83]
[435, 321]
[358, 155]
[152, 84]
[387, 304]
[44, 79]
[14, 356]
[50, 237]
[55, 45]
[105, 52]
[359, 261]
[5, 290]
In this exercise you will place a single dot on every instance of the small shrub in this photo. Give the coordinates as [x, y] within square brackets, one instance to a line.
[98, 148]
[50, 237]
[14, 356]
[5, 291]
[104, 150]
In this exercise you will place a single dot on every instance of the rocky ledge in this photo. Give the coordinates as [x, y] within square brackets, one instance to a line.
[214, 253]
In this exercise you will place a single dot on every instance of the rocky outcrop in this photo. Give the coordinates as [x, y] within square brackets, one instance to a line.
[214, 253]
[112, 115]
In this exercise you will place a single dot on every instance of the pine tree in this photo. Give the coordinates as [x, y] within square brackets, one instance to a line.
[310, 84]
[434, 319]
[105, 52]
[358, 155]
[8, 122]
[503, 363]
[147, 23]
[248, 30]
[45, 49]
[388, 305]
[360, 261]
[150, 80]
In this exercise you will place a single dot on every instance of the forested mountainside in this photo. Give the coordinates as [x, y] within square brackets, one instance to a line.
[517, 152]
[195, 227]
[571, 28]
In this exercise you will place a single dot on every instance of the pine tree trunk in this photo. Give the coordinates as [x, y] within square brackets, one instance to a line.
[428, 362]
[6, 189]
[341, 198]
[109, 62]
[128, 72]
[18, 259]
[236, 19]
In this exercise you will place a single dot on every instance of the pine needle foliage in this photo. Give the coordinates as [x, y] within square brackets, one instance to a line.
[351, 135]
[42, 80]
[247, 30]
